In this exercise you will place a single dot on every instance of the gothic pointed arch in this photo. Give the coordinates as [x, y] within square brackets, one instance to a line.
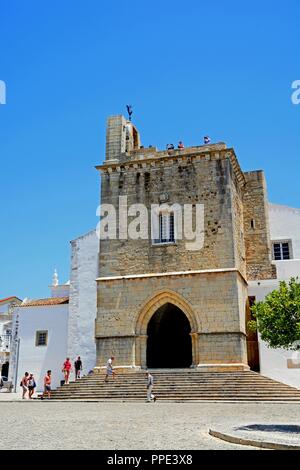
[159, 299]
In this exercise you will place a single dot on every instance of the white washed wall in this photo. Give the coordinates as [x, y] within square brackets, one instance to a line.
[284, 224]
[38, 359]
[83, 300]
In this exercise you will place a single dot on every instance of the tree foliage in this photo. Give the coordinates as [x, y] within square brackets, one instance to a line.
[277, 317]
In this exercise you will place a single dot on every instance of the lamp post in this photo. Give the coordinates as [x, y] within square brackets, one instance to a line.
[15, 348]
[17, 351]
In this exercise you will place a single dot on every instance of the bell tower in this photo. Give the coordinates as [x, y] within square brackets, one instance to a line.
[121, 138]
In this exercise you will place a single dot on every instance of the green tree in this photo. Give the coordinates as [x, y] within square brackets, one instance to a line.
[277, 317]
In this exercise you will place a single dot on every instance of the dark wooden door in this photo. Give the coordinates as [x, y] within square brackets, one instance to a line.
[252, 339]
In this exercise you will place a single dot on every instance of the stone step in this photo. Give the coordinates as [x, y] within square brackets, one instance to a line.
[168, 392]
[182, 389]
[170, 383]
[178, 398]
[182, 392]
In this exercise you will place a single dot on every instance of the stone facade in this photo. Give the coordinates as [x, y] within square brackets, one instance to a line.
[209, 285]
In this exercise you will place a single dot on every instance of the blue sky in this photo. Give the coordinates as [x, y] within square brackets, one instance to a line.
[217, 67]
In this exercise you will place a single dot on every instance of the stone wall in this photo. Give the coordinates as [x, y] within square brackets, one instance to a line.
[203, 179]
[256, 228]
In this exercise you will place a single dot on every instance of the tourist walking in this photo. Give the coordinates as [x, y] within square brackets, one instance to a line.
[77, 367]
[67, 367]
[31, 385]
[24, 384]
[109, 368]
[150, 383]
[47, 384]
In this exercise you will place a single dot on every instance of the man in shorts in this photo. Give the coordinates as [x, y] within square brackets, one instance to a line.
[24, 385]
[109, 368]
[47, 384]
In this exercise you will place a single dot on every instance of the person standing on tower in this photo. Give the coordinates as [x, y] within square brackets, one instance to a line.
[170, 146]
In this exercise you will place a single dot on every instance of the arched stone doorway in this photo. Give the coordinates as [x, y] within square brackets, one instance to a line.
[148, 311]
[169, 341]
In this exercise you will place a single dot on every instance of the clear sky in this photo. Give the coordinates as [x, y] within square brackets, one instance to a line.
[189, 68]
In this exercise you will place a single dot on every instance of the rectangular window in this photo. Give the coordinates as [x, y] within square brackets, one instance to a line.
[41, 338]
[166, 228]
[281, 250]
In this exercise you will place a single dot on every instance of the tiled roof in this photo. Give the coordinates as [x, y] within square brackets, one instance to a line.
[7, 299]
[50, 301]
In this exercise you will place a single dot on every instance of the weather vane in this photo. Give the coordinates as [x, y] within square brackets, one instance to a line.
[129, 111]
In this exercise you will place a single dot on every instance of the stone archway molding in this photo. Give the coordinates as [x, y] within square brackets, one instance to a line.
[159, 299]
[147, 311]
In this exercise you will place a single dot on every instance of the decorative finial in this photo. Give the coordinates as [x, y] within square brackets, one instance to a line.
[129, 111]
[55, 279]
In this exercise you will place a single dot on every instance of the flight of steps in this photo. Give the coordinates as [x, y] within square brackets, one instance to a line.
[179, 385]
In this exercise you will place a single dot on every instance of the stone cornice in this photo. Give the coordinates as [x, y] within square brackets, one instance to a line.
[174, 273]
[150, 157]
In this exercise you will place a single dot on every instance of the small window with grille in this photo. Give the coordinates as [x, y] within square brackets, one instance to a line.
[281, 250]
[166, 233]
[41, 338]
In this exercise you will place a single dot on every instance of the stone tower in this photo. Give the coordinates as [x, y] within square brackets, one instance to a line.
[161, 303]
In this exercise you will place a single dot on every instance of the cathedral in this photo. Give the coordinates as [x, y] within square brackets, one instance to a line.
[160, 303]
[186, 242]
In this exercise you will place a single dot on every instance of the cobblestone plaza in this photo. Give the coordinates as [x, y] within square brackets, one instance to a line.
[135, 426]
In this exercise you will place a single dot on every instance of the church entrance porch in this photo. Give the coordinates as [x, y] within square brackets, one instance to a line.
[165, 330]
[169, 342]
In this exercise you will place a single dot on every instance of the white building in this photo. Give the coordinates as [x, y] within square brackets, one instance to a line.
[46, 331]
[279, 364]
[40, 331]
